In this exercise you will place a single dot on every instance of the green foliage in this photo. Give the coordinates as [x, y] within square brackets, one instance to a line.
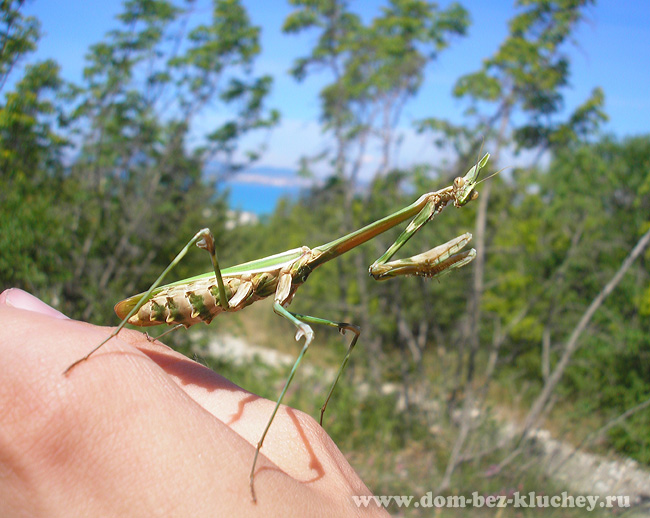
[31, 147]
[19, 36]
[527, 76]
[564, 233]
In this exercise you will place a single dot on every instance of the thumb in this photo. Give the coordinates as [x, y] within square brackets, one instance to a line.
[19, 299]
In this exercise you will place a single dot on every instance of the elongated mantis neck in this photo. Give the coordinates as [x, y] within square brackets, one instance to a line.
[339, 246]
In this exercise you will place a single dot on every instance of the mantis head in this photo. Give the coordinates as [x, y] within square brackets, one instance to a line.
[464, 185]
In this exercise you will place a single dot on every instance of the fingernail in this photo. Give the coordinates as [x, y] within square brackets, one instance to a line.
[17, 298]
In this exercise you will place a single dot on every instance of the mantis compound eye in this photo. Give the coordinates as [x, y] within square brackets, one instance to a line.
[459, 182]
[474, 195]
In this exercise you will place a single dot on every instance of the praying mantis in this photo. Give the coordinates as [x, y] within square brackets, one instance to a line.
[201, 298]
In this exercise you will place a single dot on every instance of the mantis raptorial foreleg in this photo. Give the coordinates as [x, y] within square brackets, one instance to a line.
[440, 259]
[436, 262]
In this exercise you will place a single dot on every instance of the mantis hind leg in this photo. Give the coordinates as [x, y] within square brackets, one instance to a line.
[161, 335]
[203, 239]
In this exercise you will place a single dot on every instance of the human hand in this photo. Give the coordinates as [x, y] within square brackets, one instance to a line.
[140, 430]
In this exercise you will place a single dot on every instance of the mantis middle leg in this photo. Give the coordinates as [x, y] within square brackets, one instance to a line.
[301, 323]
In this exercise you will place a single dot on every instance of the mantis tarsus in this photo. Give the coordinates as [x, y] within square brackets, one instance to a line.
[201, 298]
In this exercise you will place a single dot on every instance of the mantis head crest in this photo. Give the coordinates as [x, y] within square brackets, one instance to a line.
[463, 190]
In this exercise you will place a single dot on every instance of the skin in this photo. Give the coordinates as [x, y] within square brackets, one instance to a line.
[140, 430]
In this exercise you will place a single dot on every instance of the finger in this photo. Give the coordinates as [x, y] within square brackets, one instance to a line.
[20, 299]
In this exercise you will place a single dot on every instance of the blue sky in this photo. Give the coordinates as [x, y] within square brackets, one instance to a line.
[612, 51]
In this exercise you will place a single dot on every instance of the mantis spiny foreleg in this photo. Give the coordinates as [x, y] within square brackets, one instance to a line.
[441, 259]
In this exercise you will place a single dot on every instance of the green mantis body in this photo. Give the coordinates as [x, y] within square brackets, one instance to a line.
[201, 298]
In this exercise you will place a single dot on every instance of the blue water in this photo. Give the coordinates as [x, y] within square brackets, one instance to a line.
[259, 199]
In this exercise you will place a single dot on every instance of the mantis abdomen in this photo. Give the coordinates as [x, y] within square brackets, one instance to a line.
[198, 301]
